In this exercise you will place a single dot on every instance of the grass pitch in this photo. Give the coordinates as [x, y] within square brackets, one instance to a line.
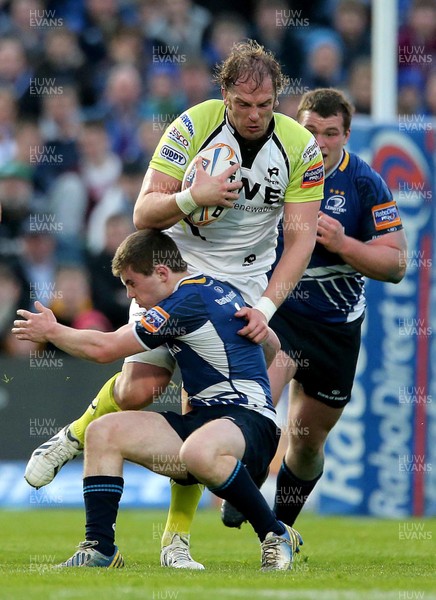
[342, 559]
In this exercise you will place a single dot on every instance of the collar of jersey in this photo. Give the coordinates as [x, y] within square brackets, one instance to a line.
[341, 164]
[191, 278]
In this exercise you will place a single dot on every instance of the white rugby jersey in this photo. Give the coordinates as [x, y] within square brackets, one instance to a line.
[285, 166]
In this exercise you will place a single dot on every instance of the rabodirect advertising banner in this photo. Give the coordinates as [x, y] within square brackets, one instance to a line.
[379, 458]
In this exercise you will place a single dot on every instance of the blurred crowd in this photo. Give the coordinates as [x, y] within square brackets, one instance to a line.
[87, 88]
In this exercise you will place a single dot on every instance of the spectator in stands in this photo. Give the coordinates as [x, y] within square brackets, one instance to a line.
[351, 23]
[162, 95]
[108, 293]
[8, 123]
[101, 19]
[360, 84]
[324, 62]
[276, 27]
[411, 84]
[180, 28]
[17, 73]
[10, 300]
[120, 110]
[118, 199]
[99, 166]
[72, 301]
[17, 199]
[195, 83]
[417, 38]
[21, 25]
[225, 30]
[64, 64]
[60, 126]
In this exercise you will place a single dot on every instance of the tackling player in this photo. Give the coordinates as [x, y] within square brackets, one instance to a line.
[282, 174]
[227, 438]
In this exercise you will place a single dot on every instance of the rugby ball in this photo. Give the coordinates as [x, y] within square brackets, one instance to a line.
[215, 160]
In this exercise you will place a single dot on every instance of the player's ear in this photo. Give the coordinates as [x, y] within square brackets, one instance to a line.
[225, 96]
[162, 272]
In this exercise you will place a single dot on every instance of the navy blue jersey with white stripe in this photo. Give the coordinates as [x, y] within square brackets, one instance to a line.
[330, 290]
[198, 324]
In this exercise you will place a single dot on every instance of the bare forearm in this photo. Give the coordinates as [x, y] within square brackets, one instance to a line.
[271, 345]
[375, 261]
[82, 343]
[288, 273]
[156, 211]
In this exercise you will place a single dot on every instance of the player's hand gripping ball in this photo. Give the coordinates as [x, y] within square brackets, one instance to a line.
[215, 160]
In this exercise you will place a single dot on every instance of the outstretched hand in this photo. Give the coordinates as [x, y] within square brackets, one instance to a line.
[256, 329]
[36, 326]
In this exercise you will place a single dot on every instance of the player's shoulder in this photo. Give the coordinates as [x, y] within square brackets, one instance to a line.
[354, 166]
[206, 113]
[287, 128]
[296, 141]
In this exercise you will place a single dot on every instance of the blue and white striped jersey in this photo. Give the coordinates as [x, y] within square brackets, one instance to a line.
[198, 325]
[331, 291]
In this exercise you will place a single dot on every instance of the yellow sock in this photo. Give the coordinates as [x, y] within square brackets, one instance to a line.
[184, 502]
[103, 404]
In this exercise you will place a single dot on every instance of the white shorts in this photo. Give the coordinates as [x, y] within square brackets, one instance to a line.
[251, 289]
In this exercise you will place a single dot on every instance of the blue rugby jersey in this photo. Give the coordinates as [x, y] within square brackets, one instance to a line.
[331, 291]
[198, 325]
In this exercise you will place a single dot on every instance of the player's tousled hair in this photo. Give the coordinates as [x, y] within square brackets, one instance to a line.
[327, 102]
[144, 250]
[247, 61]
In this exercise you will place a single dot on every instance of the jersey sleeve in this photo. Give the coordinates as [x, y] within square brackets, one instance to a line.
[174, 317]
[306, 166]
[380, 211]
[183, 139]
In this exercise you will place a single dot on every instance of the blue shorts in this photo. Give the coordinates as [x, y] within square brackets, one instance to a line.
[261, 434]
[325, 354]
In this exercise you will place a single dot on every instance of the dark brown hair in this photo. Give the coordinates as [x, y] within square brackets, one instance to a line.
[144, 250]
[327, 102]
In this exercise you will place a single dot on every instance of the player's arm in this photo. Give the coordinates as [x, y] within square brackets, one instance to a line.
[84, 343]
[381, 258]
[161, 204]
[270, 345]
[299, 236]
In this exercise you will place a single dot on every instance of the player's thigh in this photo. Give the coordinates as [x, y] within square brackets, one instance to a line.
[220, 437]
[309, 420]
[143, 381]
[145, 438]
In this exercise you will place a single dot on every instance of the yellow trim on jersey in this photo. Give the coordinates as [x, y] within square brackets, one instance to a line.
[345, 161]
[198, 280]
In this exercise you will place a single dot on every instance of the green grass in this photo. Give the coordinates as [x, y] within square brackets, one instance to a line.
[343, 559]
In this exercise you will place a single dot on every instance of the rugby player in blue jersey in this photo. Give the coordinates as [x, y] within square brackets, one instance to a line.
[229, 435]
[359, 235]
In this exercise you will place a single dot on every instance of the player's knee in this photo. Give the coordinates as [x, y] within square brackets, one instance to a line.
[198, 460]
[100, 432]
[132, 395]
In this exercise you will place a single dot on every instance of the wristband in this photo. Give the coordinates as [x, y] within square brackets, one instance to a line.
[266, 307]
[186, 202]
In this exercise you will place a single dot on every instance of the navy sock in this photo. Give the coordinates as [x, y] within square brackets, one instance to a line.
[291, 494]
[102, 496]
[242, 493]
